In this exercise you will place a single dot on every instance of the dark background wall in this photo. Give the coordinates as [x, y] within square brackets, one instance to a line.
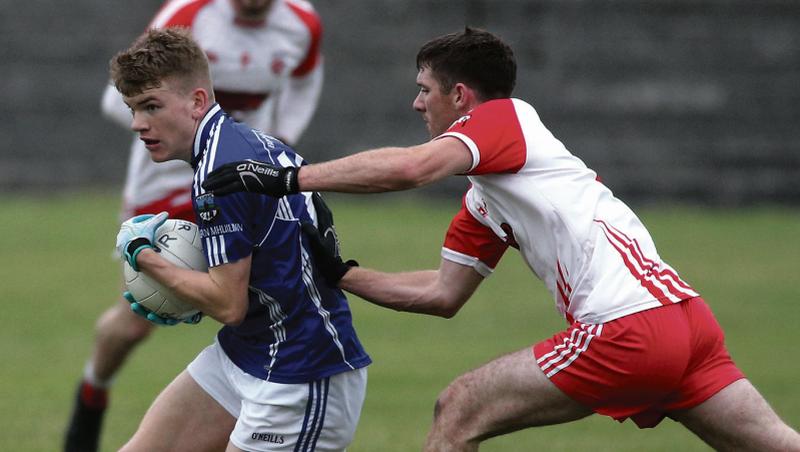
[690, 100]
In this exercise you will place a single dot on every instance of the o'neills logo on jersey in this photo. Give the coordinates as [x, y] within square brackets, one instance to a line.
[206, 206]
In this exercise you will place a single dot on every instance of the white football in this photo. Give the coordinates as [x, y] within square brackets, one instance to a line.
[177, 241]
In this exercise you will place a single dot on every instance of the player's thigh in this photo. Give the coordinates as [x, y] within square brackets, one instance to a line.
[183, 418]
[507, 394]
[738, 418]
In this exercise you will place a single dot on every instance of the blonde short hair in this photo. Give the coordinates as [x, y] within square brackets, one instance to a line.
[159, 54]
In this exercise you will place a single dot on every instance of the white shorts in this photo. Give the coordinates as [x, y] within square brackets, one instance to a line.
[318, 416]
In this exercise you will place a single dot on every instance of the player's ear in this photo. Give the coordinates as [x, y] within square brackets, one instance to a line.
[200, 102]
[463, 97]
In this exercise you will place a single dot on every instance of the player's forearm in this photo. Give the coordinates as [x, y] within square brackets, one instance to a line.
[373, 171]
[416, 292]
[388, 169]
[196, 288]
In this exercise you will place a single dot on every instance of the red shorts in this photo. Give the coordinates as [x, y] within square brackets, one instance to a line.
[643, 365]
[178, 204]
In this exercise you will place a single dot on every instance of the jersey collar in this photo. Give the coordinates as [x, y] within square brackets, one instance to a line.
[203, 134]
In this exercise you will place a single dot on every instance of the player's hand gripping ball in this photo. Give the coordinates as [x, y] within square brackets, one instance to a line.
[137, 234]
[178, 242]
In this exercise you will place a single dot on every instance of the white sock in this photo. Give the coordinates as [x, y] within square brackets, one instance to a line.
[90, 377]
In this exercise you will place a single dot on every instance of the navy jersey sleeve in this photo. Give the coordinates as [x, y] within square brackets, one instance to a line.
[224, 227]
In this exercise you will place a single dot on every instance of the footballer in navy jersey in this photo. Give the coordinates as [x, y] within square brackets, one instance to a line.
[297, 328]
[286, 372]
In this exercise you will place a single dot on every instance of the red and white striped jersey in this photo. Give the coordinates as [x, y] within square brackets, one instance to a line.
[268, 75]
[529, 192]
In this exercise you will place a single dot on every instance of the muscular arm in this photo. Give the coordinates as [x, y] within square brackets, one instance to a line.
[221, 293]
[388, 169]
[439, 292]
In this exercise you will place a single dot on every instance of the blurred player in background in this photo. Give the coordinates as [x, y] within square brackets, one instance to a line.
[267, 71]
[640, 343]
[286, 371]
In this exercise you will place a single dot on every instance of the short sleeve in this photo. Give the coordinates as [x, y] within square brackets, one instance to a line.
[223, 222]
[493, 134]
[468, 242]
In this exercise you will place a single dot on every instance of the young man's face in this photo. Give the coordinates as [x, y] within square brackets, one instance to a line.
[438, 109]
[165, 119]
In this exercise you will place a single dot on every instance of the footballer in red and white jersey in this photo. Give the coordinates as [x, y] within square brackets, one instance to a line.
[528, 191]
[267, 73]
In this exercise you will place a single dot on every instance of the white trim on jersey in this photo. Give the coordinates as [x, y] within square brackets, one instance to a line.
[312, 211]
[217, 254]
[470, 261]
[207, 164]
[473, 148]
[572, 348]
[284, 211]
[276, 317]
[284, 160]
[216, 132]
[269, 230]
[209, 114]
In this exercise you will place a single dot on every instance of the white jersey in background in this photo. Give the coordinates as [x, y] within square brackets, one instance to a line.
[528, 191]
[266, 74]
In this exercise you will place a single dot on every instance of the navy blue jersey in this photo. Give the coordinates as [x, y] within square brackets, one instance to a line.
[297, 328]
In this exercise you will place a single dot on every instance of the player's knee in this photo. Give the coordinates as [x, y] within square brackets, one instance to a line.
[442, 404]
[452, 426]
[449, 407]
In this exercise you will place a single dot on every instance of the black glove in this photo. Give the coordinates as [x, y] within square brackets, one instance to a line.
[328, 264]
[254, 177]
[325, 244]
[328, 235]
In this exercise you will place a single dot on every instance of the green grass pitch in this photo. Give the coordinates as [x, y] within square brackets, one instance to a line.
[57, 276]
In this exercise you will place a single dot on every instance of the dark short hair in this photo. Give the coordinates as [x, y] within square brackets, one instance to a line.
[156, 55]
[474, 57]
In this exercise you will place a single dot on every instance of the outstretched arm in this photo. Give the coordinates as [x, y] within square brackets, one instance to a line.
[439, 292]
[388, 169]
[376, 170]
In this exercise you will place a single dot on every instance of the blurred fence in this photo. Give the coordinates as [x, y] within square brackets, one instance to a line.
[693, 100]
